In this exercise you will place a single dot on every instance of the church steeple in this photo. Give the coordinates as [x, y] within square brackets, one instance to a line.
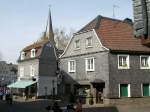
[51, 33]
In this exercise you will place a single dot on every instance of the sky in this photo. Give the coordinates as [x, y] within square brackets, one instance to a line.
[23, 21]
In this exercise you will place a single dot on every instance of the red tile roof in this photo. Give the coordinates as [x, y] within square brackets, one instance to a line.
[37, 46]
[116, 34]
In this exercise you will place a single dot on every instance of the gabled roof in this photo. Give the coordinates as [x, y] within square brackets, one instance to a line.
[91, 25]
[116, 34]
[38, 49]
[35, 45]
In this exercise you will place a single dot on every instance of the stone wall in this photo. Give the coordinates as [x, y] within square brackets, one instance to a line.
[128, 101]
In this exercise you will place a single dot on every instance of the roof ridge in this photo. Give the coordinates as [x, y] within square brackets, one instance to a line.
[112, 19]
[34, 44]
[97, 23]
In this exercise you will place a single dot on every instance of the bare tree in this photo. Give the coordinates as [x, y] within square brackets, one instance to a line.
[61, 37]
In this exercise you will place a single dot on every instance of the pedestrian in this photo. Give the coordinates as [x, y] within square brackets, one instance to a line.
[9, 98]
[49, 108]
[56, 107]
[100, 97]
[70, 108]
[78, 106]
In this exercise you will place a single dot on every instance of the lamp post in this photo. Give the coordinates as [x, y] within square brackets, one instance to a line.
[53, 81]
[3, 84]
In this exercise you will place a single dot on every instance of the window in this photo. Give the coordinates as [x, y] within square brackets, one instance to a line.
[123, 61]
[32, 70]
[71, 66]
[21, 71]
[144, 62]
[90, 64]
[22, 55]
[124, 90]
[146, 89]
[89, 42]
[33, 53]
[77, 44]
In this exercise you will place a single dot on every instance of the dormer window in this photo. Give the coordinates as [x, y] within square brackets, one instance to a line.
[22, 55]
[33, 53]
[77, 44]
[89, 42]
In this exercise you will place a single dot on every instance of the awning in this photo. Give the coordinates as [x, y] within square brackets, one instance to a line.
[98, 81]
[21, 84]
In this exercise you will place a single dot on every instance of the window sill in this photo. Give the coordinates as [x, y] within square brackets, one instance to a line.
[32, 56]
[71, 71]
[123, 67]
[76, 49]
[90, 70]
[145, 68]
[89, 47]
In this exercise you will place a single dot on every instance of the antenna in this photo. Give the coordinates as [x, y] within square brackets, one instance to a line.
[114, 6]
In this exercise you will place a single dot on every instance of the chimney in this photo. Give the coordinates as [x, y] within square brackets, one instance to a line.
[142, 20]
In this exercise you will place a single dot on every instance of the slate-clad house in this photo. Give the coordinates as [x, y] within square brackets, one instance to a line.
[37, 66]
[105, 59]
[8, 73]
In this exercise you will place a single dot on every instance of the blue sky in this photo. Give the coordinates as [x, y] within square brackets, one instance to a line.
[23, 21]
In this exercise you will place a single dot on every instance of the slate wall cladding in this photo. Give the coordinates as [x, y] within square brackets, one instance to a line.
[47, 61]
[101, 69]
[45, 70]
[134, 76]
[83, 48]
[26, 65]
[139, 17]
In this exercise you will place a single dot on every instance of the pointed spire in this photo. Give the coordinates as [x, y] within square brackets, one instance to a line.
[51, 33]
[45, 33]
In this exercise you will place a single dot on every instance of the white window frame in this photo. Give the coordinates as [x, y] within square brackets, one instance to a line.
[21, 72]
[22, 55]
[142, 67]
[128, 62]
[32, 70]
[129, 90]
[87, 42]
[75, 44]
[69, 66]
[142, 89]
[33, 53]
[86, 64]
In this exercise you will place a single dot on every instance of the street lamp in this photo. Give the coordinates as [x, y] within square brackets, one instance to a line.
[53, 89]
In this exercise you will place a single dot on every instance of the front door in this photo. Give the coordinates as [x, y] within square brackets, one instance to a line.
[99, 94]
[124, 90]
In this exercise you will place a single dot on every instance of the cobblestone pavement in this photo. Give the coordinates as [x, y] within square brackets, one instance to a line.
[39, 106]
